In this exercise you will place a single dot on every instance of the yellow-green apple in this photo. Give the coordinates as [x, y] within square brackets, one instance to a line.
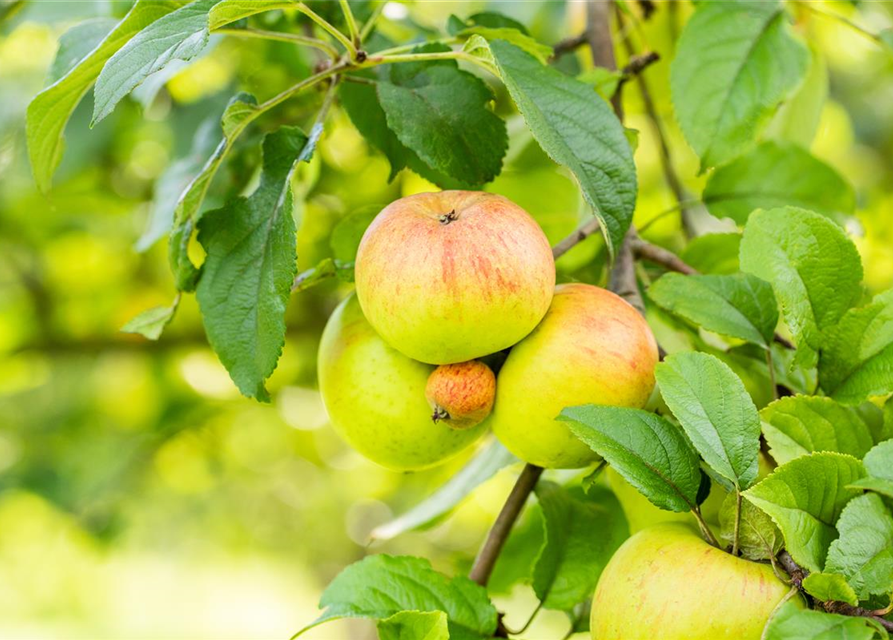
[461, 395]
[375, 396]
[452, 276]
[592, 347]
[666, 582]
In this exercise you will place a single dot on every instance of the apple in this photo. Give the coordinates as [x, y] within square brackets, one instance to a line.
[375, 396]
[592, 347]
[666, 582]
[452, 276]
[461, 395]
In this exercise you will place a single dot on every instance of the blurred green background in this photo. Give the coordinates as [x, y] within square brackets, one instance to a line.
[140, 495]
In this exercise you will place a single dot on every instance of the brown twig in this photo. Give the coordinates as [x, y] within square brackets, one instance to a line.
[567, 45]
[798, 574]
[658, 255]
[486, 558]
[586, 229]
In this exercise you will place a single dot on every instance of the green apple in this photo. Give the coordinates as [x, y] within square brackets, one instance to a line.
[666, 582]
[592, 347]
[461, 395]
[375, 396]
[452, 276]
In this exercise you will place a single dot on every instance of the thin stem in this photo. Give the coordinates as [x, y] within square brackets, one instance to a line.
[486, 559]
[676, 207]
[737, 522]
[705, 530]
[404, 48]
[297, 88]
[328, 28]
[322, 45]
[845, 21]
[427, 56]
[658, 255]
[583, 231]
[370, 22]
[528, 623]
[771, 366]
[351, 22]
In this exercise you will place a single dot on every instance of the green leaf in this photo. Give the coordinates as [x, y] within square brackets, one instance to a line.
[775, 174]
[414, 625]
[577, 129]
[151, 322]
[715, 253]
[50, 110]
[758, 537]
[477, 471]
[863, 553]
[649, 452]
[735, 62]
[381, 586]
[521, 40]
[812, 265]
[799, 425]
[793, 623]
[489, 19]
[76, 43]
[804, 498]
[716, 412]
[739, 306]
[879, 466]
[830, 586]
[441, 114]
[604, 81]
[238, 114]
[797, 120]
[857, 359]
[227, 11]
[572, 557]
[247, 275]
[346, 236]
[180, 35]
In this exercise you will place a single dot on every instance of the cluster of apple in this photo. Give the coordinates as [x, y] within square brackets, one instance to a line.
[445, 284]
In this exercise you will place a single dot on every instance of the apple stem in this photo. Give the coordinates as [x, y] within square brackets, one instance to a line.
[705, 530]
[447, 218]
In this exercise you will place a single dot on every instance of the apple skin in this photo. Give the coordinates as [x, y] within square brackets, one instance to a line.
[461, 395]
[592, 347]
[452, 276]
[666, 582]
[375, 397]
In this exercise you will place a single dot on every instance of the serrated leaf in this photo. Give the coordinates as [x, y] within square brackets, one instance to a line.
[477, 471]
[50, 110]
[414, 625]
[793, 623]
[863, 553]
[250, 266]
[347, 233]
[227, 11]
[649, 452]
[830, 587]
[739, 306]
[490, 19]
[381, 586]
[572, 558]
[478, 47]
[238, 114]
[77, 43]
[440, 113]
[795, 426]
[716, 412]
[758, 537]
[879, 467]
[735, 62]
[857, 359]
[578, 130]
[151, 322]
[776, 174]
[813, 267]
[180, 35]
[521, 40]
[804, 498]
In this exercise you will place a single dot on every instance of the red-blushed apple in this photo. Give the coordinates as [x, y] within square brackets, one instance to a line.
[452, 276]
[461, 395]
[592, 347]
[666, 582]
[375, 397]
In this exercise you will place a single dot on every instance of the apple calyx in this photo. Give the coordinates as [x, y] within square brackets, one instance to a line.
[439, 414]
[447, 218]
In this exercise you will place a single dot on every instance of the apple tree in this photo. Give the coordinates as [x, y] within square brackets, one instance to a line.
[740, 487]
